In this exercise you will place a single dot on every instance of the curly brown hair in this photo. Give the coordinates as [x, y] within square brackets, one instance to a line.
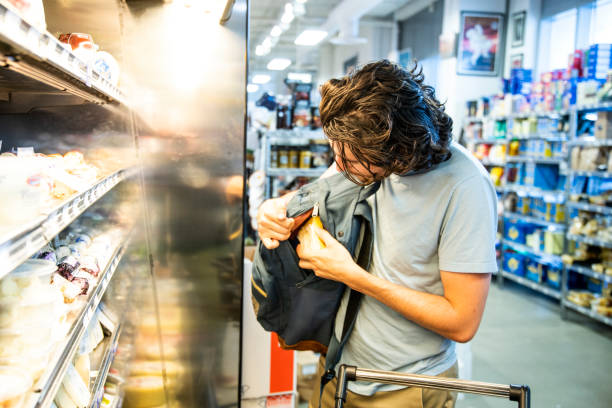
[387, 117]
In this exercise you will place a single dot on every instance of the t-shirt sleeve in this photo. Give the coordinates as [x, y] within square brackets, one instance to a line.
[468, 233]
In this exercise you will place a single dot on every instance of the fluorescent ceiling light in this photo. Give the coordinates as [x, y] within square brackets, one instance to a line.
[288, 8]
[300, 76]
[310, 37]
[302, 1]
[261, 50]
[267, 42]
[279, 64]
[287, 17]
[276, 31]
[261, 79]
[252, 88]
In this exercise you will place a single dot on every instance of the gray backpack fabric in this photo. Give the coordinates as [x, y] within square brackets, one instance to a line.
[293, 302]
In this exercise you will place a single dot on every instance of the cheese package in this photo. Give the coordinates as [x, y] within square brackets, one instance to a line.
[144, 392]
[307, 233]
[77, 390]
[63, 400]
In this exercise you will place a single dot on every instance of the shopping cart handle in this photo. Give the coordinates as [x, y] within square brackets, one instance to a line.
[518, 393]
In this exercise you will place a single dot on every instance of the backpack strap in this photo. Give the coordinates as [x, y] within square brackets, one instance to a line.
[334, 350]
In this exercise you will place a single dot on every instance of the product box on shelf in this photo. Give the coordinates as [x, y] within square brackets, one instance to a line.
[516, 231]
[598, 185]
[553, 242]
[603, 125]
[523, 205]
[514, 263]
[534, 271]
[595, 285]
[544, 176]
[553, 276]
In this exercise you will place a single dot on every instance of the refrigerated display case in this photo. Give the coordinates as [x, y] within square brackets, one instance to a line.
[121, 216]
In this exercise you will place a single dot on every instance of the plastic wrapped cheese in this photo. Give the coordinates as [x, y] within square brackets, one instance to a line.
[307, 233]
[144, 392]
[75, 387]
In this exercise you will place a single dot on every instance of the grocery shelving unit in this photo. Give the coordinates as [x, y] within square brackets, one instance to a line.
[285, 137]
[49, 382]
[35, 62]
[571, 140]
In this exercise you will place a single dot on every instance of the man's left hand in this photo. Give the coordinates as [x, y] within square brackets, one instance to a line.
[333, 262]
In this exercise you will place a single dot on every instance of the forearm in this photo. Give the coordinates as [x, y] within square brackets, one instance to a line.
[433, 312]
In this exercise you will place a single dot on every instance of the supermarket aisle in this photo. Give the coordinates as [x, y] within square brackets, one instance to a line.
[523, 339]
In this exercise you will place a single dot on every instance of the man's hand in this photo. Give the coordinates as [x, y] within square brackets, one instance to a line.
[333, 262]
[273, 225]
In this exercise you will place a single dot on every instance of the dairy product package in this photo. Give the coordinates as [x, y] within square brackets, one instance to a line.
[75, 388]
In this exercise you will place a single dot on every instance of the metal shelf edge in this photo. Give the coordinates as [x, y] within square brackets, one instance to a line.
[524, 248]
[590, 207]
[42, 46]
[51, 383]
[587, 312]
[532, 285]
[107, 361]
[589, 272]
[33, 238]
[533, 220]
[590, 241]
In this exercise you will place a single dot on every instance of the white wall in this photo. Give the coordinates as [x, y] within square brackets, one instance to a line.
[457, 89]
[379, 45]
[529, 48]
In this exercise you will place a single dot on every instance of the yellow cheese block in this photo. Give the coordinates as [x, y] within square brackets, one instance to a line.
[144, 392]
[307, 235]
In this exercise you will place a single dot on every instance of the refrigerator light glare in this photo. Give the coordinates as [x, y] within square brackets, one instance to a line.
[261, 79]
[310, 37]
[287, 17]
[252, 88]
[279, 64]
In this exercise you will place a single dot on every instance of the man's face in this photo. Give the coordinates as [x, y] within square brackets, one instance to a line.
[354, 167]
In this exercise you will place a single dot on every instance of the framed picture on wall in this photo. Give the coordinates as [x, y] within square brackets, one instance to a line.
[516, 61]
[405, 58]
[480, 43]
[350, 64]
[518, 28]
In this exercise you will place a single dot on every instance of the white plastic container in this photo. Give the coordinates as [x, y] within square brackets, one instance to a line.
[14, 386]
[34, 304]
[32, 364]
[39, 269]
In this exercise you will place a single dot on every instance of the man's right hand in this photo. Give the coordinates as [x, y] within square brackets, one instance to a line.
[272, 222]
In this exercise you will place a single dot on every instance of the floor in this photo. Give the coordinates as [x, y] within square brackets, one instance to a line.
[522, 339]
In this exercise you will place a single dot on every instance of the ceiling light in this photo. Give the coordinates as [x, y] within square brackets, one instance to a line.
[276, 31]
[260, 50]
[302, 1]
[299, 76]
[310, 37]
[267, 43]
[261, 79]
[252, 88]
[287, 17]
[288, 8]
[279, 64]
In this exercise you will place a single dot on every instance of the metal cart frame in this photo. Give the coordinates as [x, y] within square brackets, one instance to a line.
[518, 393]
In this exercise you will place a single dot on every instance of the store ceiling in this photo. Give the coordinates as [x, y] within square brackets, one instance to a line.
[264, 14]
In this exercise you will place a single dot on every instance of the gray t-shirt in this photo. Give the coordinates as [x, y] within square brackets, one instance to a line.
[444, 219]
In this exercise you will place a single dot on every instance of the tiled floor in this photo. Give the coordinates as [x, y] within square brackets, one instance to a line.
[522, 339]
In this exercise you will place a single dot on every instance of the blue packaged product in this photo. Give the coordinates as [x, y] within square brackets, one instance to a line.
[594, 285]
[514, 263]
[598, 185]
[553, 276]
[534, 271]
[544, 176]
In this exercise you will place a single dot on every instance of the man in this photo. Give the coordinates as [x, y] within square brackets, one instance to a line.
[434, 226]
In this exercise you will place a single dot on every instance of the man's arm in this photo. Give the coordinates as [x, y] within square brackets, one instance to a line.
[455, 315]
